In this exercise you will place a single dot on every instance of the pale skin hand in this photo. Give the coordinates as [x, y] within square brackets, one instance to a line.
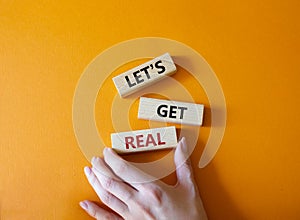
[120, 186]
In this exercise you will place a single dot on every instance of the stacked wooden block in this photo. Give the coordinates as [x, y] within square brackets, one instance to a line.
[153, 109]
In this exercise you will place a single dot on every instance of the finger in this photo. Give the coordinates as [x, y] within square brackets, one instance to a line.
[125, 170]
[96, 212]
[110, 182]
[126, 193]
[183, 165]
[106, 197]
[100, 165]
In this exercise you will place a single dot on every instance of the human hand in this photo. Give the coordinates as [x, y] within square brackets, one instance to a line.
[118, 184]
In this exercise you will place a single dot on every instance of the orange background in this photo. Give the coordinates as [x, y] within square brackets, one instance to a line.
[253, 47]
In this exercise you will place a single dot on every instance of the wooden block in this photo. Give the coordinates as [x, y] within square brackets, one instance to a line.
[144, 75]
[170, 111]
[144, 140]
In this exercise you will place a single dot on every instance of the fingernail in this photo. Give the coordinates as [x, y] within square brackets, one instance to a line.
[87, 171]
[107, 149]
[83, 205]
[94, 160]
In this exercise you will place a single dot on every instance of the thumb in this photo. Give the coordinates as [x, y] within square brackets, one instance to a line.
[184, 170]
